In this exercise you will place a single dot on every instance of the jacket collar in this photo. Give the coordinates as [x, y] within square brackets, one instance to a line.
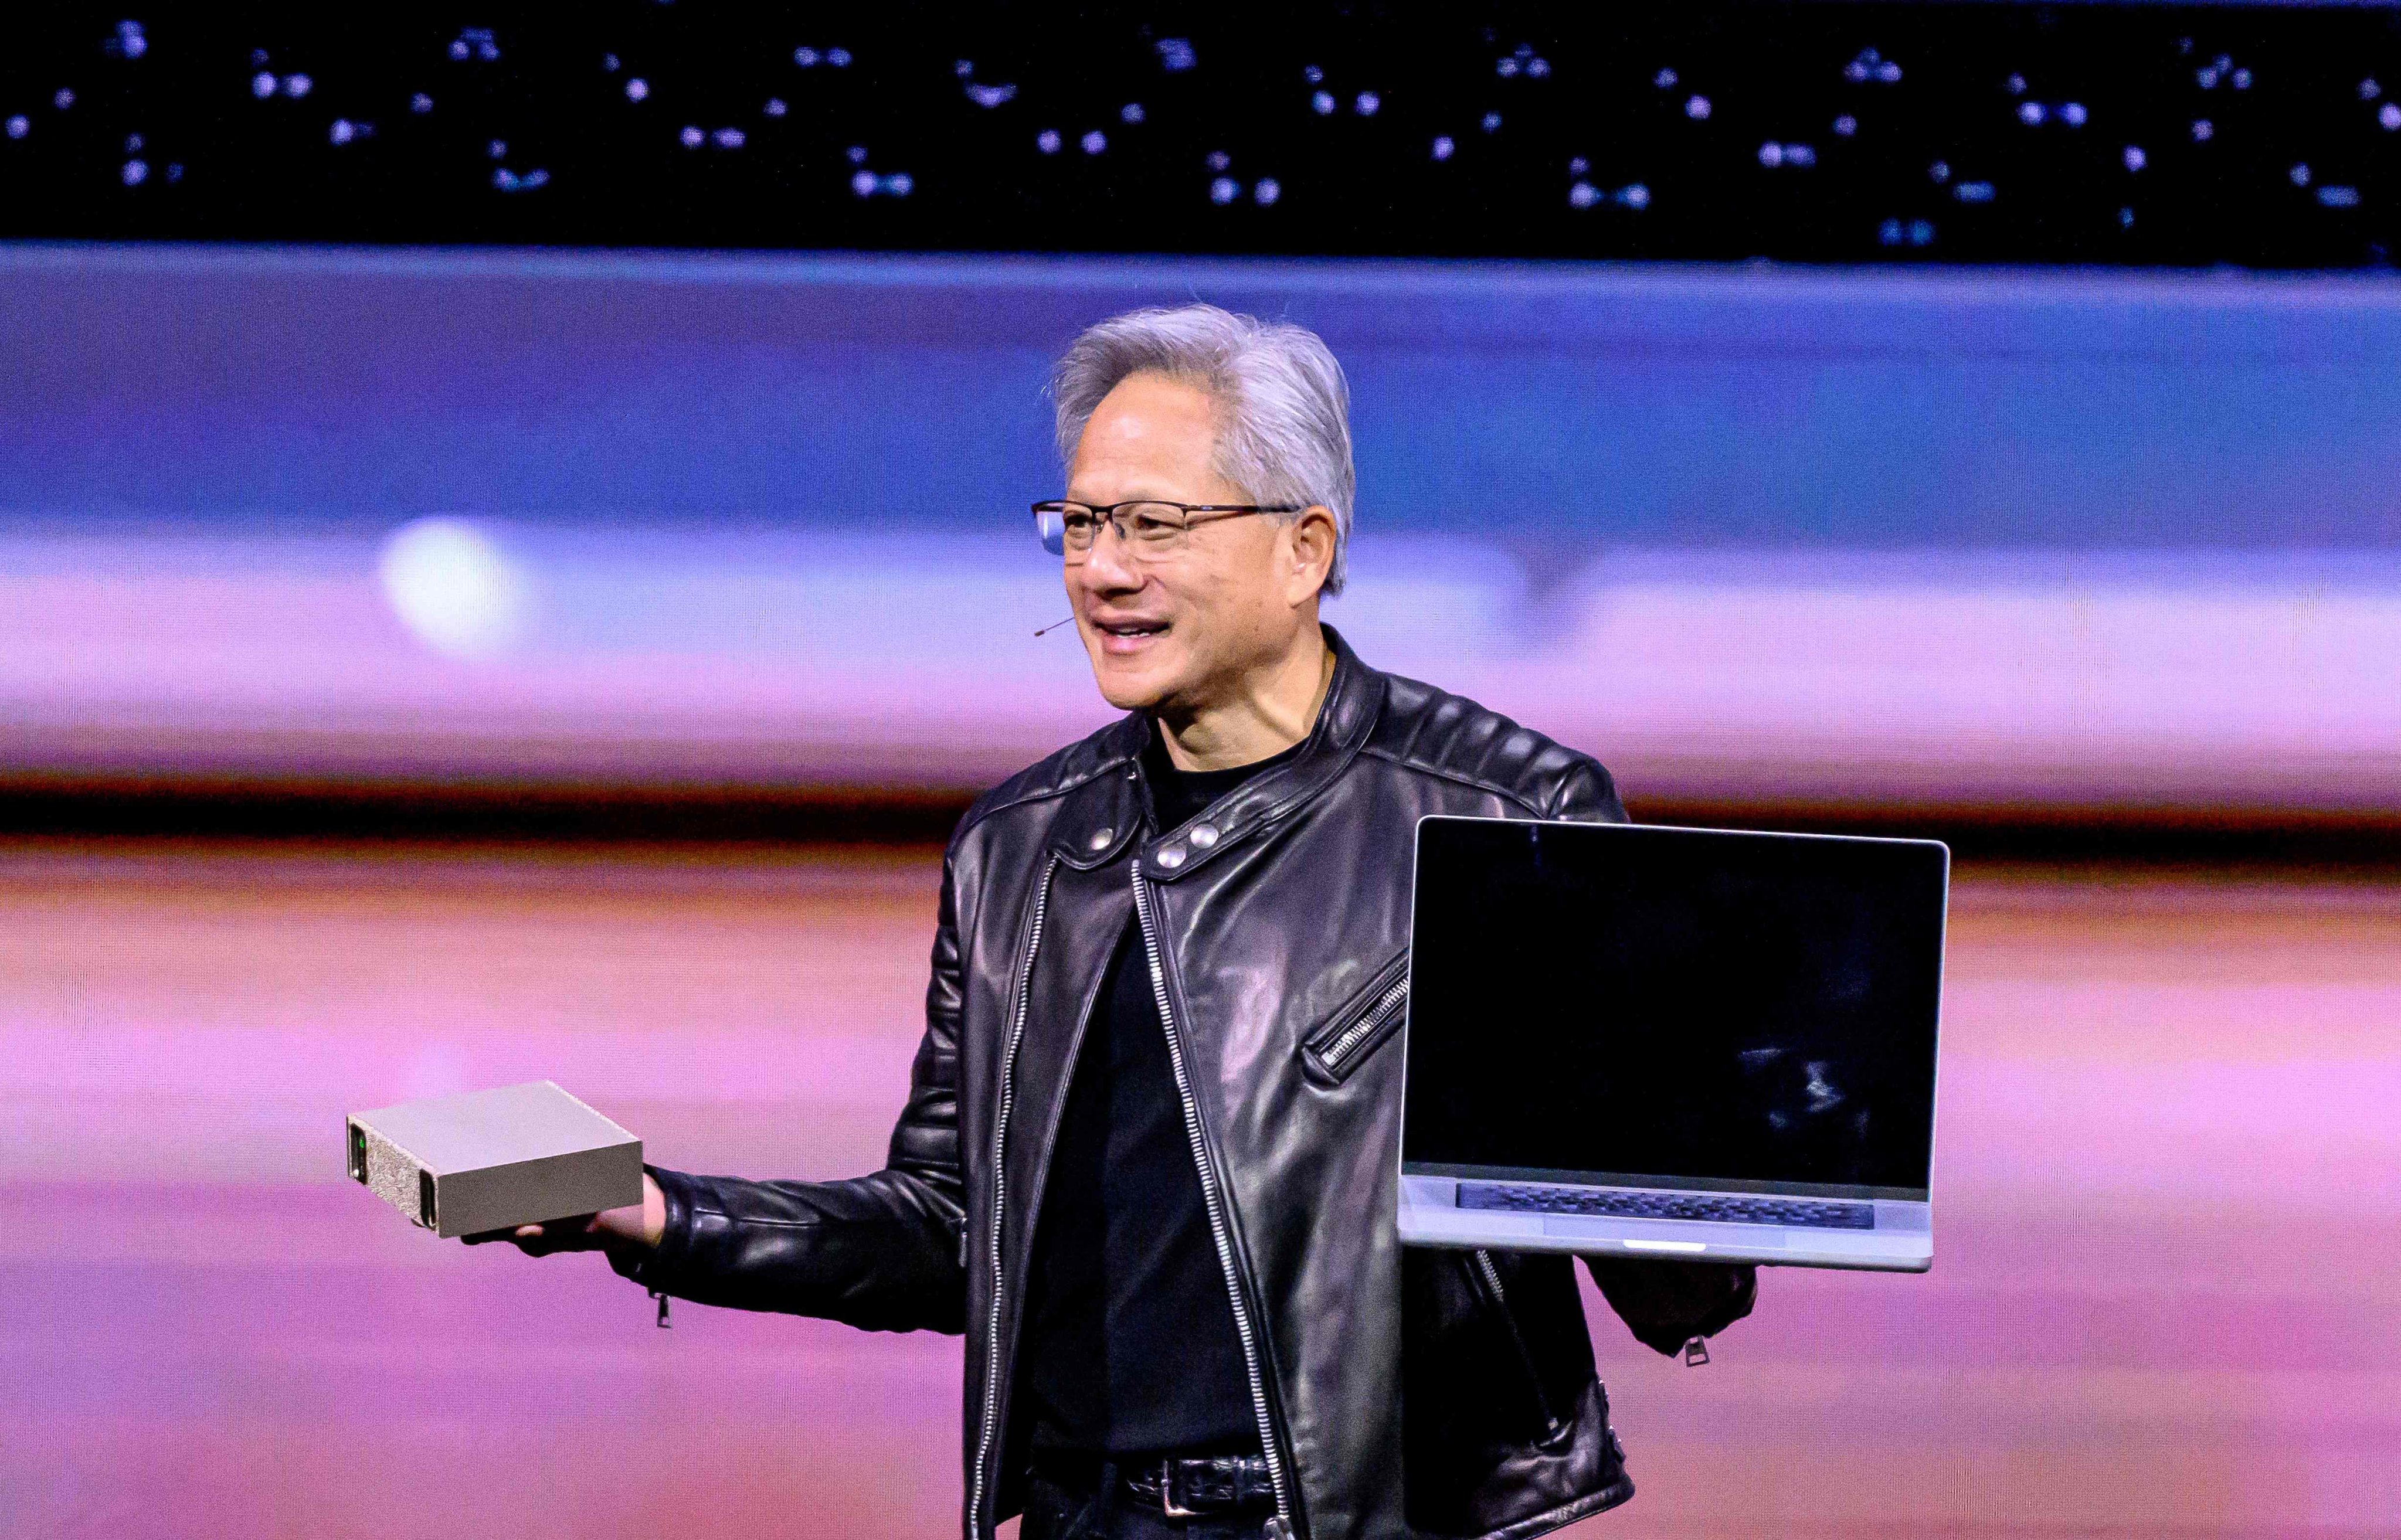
[1105, 813]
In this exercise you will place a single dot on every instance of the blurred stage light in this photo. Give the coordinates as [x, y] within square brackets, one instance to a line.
[453, 588]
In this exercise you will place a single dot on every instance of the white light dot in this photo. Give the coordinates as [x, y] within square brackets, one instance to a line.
[1698, 107]
[20, 126]
[900, 184]
[1505, 68]
[1095, 141]
[135, 172]
[1047, 142]
[343, 132]
[2202, 128]
[2030, 113]
[692, 137]
[805, 58]
[608, 63]
[1312, 73]
[1846, 125]
[1584, 195]
[296, 84]
[1491, 123]
[838, 58]
[2135, 159]
[1663, 79]
[1267, 191]
[1888, 72]
[262, 84]
[1443, 147]
[2072, 114]
[2389, 115]
[1539, 68]
[454, 590]
[497, 148]
[728, 139]
[1940, 170]
[1224, 190]
[1771, 153]
[775, 107]
[420, 103]
[1220, 160]
[2242, 80]
[1323, 102]
[637, 89]
[1578, 166]
[1367, 105]
[63, 99]
[858, 154]
[1131, 113]
[2015, 85]
[863, 183]
[1635, 196]
[2301, 175]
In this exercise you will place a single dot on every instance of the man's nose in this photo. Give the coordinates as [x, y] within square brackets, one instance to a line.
[1107, 569]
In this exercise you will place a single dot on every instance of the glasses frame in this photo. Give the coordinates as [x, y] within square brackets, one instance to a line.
[1107, 513]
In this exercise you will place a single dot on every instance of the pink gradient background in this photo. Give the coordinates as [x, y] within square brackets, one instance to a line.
[2162, 1300]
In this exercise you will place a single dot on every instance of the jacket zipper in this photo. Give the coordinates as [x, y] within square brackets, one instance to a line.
[1339, 1051]
[986, 1426]
[1490, 1276]
[1282, 1529]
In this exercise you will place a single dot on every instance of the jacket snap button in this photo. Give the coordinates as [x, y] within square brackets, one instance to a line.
[1171, 858]
[1203, 835]
[1101, 838]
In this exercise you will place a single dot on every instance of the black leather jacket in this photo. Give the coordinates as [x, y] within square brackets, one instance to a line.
[1398, 1393]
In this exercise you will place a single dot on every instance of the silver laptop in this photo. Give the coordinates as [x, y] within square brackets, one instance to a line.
[1629, 1040]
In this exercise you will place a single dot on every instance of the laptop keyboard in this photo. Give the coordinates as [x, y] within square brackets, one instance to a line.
[1714, 1207]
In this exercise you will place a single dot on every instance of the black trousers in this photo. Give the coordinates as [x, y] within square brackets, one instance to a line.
[1103, 1509]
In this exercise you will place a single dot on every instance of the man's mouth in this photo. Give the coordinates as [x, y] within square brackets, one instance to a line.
[1130, 630]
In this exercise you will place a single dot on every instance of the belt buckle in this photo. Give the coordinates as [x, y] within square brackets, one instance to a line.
[1167, 1504]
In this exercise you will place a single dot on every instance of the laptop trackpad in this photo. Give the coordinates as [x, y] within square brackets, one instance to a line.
[1666, 1239]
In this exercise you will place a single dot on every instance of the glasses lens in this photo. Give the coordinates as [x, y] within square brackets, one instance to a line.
[1052, 527]
[1153, 527]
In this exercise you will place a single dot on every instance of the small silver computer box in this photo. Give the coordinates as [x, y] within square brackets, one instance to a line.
[493, 1160]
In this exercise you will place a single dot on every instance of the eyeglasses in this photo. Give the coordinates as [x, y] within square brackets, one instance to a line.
[1146, 529]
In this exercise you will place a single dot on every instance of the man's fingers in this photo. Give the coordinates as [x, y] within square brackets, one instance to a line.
[528, 1232]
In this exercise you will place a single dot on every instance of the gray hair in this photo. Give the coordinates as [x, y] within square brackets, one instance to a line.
[1284, 409]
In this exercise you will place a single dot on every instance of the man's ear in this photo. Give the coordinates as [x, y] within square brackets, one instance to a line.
[1312, 538]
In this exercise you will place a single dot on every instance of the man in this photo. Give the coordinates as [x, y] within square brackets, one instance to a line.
[1146, 1163]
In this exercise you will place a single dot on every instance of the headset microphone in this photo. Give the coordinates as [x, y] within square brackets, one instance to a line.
[1052, 626]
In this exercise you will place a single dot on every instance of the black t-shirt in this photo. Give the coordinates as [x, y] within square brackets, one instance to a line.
[1129, 1344]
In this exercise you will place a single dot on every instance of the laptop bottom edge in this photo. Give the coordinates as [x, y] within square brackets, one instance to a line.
[1899, 1240]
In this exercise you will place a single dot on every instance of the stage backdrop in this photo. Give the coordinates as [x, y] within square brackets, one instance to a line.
[2066, 540]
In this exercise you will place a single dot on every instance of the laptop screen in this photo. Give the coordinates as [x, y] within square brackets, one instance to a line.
[1660, 1007]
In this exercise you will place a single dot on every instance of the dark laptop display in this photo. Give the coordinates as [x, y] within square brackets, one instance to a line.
[1653, 1008]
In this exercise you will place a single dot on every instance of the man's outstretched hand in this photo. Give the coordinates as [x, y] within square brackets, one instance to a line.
[636, 1224]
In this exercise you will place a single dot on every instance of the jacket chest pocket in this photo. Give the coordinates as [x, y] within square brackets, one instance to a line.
[1366, 1021]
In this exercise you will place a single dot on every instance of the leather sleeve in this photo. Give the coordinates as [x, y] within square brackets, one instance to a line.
[880, 1251]
[1665, 1304]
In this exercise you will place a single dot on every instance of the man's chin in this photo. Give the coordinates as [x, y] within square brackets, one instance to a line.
[1131, 684]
